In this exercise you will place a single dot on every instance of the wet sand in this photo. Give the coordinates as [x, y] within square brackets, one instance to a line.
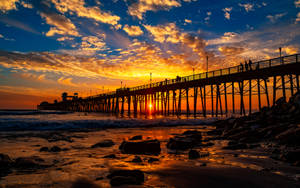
[222, 168]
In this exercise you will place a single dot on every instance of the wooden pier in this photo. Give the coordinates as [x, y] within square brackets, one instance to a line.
[239, 89]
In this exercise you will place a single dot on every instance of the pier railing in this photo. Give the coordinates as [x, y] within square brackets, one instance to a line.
[215, 73]
[226, 71]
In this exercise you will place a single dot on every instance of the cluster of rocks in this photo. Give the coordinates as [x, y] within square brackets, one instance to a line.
[279, 124]
[126, 177]
[7, 164]
[147, 147]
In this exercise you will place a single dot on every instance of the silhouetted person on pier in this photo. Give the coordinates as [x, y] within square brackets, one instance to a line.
[250, 64]
[246, 66]
[241, 67]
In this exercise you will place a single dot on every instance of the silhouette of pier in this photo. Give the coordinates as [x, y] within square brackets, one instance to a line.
[239, 89]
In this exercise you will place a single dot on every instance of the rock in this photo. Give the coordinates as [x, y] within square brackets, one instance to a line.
[137, 159]
[5, 160]
[152, 159]
[55, 149]
[99, 178]
[184, 142]
[103, 143]
[236, 146]
[193, 154]
[291, 156]
[194, 134]
[30, 162]
[280, 101]
[5, 164]
[44, 149]
[126, 177]
[290, 136]
[137, 137]
[83, 182]
[149, 147]
[112, 156]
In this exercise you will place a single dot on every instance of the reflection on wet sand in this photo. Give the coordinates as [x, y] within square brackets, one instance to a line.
[78, 159]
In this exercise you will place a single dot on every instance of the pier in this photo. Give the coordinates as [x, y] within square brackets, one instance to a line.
[237, 90]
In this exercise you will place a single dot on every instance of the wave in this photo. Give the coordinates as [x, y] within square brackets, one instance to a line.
[11, 124]
[30, 112]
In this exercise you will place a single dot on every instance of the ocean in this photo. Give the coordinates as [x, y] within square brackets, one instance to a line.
[36, 120]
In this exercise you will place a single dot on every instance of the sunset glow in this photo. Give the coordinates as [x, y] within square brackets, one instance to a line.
[90, 47]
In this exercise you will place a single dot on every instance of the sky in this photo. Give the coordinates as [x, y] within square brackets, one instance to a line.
[93, 46]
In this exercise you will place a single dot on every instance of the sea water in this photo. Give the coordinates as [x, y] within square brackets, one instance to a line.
[21, 120]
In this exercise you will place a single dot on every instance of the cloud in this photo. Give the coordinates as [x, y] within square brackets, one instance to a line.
[207, 18]
[297, 3]
[8, 39]
[260, 44]
[274, 18]
[133, 30]
[247, 6]
[297, 18]
[18, 24]
[164, 33]
[231, 50]
[187, 21]
[79, 8]
[64, 38]
[227, 12]
[62, 25]
[8, 5]
[92, 43]
[66, 81]
[140, 7]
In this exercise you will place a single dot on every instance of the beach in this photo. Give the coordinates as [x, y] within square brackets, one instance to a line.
[60, 158]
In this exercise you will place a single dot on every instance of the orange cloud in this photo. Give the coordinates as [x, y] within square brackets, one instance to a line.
[142, 6]
[78, 7]
[7, 5]
[133, 30]
[62, 25]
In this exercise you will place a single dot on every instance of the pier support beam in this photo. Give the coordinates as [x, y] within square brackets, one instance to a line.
[274, 90]
[250, 97]
[225, 95]
[258, 94]
[195, 100]
[187, 101]
[283, 87]
[267, 93]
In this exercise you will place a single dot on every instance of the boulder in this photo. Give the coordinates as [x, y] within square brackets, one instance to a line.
[186, 140]
[55, 149]
[152, 159]
[30, 162]
[83, 182]
[137, 137]
[112, 156]
[193, 154]
[44, 149]
[126, 177]
[236, 146]
[181, 143]
[149, 147]
[5, 160]
[291, 156]
[290, 136]
[137, 159]
[103, 143]
[5, 164]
